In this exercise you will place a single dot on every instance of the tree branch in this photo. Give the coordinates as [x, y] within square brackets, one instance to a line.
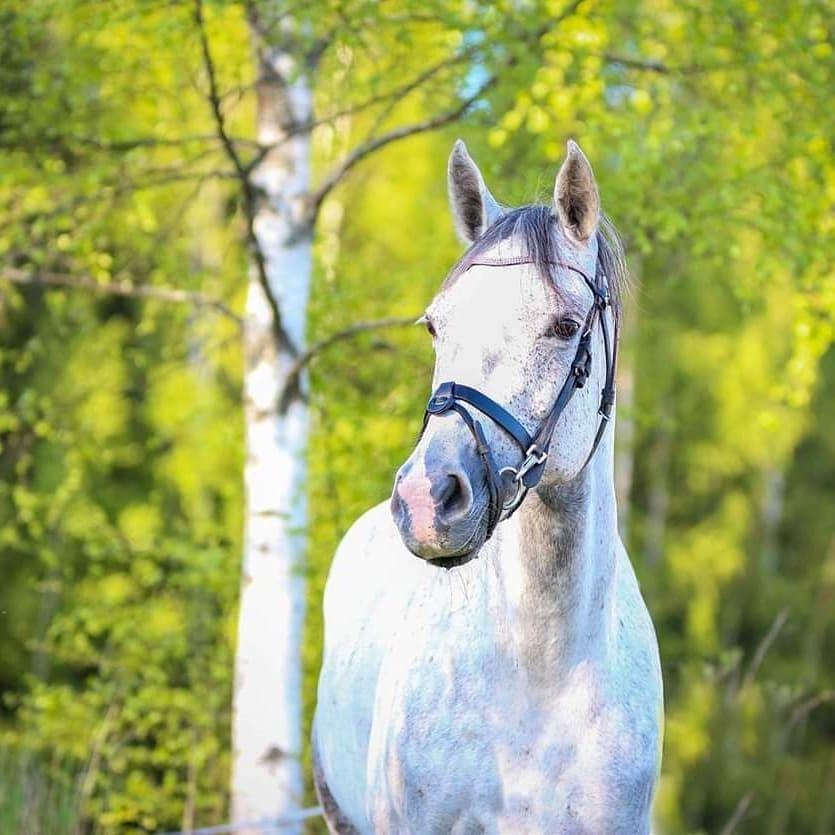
[802, 710]
[374, 144]
[764, 645]
[738, 815]
[120, 146]
[291, 384]
[395, 95]
[119, 288]
[247, 187]
[440, 120]
[637, 64]
[214, 94]
[650, 65]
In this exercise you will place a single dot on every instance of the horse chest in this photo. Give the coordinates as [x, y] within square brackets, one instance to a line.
[462, 742]
[437, 714]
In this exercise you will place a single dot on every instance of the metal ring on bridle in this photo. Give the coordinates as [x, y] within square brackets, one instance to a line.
[515, 476]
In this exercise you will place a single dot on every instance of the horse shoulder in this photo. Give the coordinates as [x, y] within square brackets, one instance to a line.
[367, 587]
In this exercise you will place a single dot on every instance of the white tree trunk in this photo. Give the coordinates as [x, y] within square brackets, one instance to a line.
[267, 712]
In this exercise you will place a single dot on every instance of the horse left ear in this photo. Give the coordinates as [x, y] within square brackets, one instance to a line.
[474, 209]
[576, 199]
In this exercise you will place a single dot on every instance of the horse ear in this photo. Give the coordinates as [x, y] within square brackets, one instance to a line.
[576, 198]
[474, 209]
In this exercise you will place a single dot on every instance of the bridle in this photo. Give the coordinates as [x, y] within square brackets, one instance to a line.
[449, 396]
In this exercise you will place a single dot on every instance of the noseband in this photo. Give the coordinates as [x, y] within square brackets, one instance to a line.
[449, 397]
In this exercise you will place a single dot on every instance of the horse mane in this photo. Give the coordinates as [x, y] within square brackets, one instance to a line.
[535, 226]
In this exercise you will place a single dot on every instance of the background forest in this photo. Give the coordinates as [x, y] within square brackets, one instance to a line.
[131, 144]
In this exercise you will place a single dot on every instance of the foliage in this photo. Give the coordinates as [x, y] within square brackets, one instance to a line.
[121, 497]
[120, 441]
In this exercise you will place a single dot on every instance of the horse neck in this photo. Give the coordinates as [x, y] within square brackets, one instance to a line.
[556, 569]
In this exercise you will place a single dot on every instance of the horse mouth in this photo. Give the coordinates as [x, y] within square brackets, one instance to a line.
[462, 555]
[445, 555]
[455, 561]
[452, 559]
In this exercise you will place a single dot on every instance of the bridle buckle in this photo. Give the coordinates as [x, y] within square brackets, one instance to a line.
[533, 458]
[441, 400]
[581, 367]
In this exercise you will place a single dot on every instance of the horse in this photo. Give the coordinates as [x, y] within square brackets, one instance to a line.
[489, 663]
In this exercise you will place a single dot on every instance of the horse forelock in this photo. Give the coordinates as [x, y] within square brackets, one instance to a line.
[535, 230]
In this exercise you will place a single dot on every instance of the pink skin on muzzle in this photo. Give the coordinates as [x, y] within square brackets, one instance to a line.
[414, 491]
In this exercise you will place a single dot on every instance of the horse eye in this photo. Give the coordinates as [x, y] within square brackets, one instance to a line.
[566, 328]
[430, 327]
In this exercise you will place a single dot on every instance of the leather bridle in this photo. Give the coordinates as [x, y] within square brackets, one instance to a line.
[449, 396]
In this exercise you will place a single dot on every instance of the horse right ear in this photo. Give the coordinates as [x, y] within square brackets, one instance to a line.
[576, 199]
[474, 209]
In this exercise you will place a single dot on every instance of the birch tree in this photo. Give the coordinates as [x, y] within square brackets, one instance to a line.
[266, 778]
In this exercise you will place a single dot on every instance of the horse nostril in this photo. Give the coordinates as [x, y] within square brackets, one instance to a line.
[456, 497]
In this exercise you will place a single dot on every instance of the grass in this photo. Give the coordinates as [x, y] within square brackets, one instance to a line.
[36, 798]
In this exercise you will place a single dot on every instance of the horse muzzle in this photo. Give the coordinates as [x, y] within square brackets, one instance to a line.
[440, 507]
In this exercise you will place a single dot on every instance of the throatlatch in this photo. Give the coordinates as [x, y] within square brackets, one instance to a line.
[449, 396]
